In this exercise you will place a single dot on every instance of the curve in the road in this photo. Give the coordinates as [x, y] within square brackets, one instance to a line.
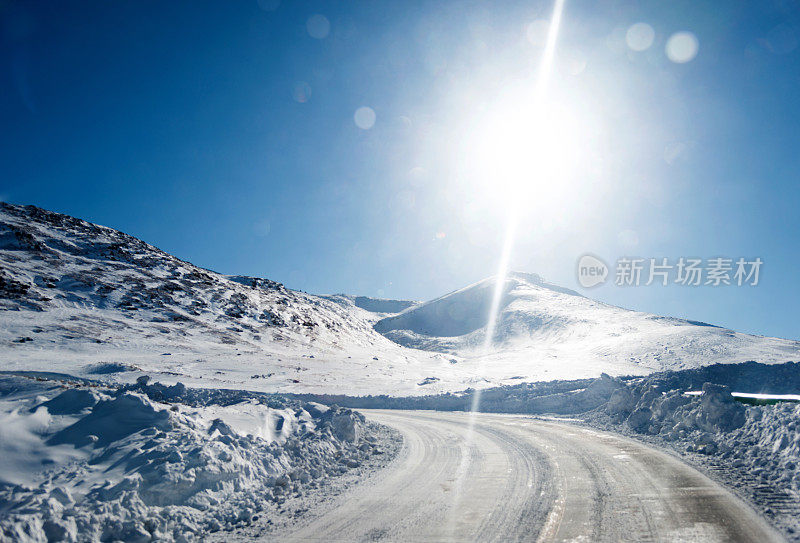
[492, 477]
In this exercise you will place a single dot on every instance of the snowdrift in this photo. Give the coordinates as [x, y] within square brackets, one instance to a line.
[90, 464]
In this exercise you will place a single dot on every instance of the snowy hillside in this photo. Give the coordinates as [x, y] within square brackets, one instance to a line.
[371, 309]
[88, 300]
[545, 331]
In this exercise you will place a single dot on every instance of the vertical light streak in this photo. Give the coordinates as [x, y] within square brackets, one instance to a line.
[538, 101]
[539, 98]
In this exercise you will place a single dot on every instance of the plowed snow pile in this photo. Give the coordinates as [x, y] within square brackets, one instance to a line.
[755, 449]
[87, 464]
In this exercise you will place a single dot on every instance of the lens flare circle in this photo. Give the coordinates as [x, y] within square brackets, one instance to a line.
[364, 117]
[640, 36]
[318, 26]
[682, 47]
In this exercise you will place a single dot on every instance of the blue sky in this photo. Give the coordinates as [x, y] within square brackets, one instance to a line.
[224, 133]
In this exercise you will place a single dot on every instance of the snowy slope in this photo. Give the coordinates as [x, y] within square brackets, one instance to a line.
[372, 309]
[545, 331]
[88, 300]
[85, 299]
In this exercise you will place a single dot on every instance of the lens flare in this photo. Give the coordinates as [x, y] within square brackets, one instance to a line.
[509, 157]
[682, 47]
[543, 162]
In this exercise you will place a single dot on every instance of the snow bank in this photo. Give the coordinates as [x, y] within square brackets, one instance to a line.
[83, 464]
[754, 449]
[674, 413]
[557, 397]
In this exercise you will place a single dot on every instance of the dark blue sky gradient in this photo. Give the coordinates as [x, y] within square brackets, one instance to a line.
[177, 122]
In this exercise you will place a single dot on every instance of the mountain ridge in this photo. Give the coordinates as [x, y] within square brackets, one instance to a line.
[75, 297]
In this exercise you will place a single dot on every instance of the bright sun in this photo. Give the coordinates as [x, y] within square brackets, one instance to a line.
[526, 148]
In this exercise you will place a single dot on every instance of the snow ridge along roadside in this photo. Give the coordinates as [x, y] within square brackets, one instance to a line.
[167, 463]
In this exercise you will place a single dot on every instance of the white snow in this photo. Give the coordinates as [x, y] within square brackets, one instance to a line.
[754, 396]
[81, 464]
[547, 332]
[754, 449]
[165, 462]
[83, 299]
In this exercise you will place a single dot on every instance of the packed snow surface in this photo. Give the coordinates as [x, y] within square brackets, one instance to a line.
[754, 449]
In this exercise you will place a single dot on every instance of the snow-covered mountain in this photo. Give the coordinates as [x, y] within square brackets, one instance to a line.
[85, 299]
[372, 309]
[546, 331]
[89, 300]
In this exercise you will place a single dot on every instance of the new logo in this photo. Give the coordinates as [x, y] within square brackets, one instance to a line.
[591, 271]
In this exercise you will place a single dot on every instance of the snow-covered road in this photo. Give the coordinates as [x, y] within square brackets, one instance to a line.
[509, 478]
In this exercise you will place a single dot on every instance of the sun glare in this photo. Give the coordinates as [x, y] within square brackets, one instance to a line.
[524, 142]
[525, 146]
[525, 149]
[519, 148]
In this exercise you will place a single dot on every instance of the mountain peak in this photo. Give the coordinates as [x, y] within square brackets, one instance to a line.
[536, 280]
[529, 277]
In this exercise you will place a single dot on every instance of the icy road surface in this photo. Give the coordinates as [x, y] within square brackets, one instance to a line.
[513, 478]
